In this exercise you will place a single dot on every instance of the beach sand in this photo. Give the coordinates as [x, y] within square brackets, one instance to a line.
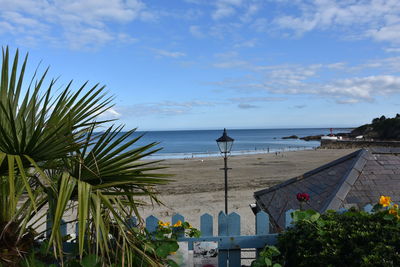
[198, 185]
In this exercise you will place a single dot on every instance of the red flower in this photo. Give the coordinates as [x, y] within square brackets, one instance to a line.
[303, 197]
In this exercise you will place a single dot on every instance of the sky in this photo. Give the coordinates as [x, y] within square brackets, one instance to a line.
[210, 64]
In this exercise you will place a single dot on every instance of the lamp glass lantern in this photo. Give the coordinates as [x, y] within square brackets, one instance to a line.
[225, 143]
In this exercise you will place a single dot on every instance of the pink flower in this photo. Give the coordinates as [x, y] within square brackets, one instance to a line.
[303, 197]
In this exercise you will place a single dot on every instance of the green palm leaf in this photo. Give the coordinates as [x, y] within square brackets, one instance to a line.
[51, 160]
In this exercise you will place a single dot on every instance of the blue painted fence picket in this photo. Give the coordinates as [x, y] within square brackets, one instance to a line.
[230, 242]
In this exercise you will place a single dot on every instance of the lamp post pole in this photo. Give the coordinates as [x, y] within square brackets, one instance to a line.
[225, 145]
[226, 181]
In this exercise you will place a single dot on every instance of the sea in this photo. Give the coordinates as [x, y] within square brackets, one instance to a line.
[186, 144]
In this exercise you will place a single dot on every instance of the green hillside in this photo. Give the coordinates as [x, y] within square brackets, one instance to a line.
[380, 129]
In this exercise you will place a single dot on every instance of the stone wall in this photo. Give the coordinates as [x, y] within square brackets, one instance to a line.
[357, 144]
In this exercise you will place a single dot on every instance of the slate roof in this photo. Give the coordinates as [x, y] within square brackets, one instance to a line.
[357, 179]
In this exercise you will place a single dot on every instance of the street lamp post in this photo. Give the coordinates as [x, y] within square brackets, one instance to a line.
[225, 145]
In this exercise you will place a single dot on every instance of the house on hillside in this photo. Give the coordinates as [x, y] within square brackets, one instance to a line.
[355, 180]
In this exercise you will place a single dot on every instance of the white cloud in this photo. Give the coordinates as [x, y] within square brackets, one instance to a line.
[392, 50]
[348, 101]
[165, 53]
[230, 64]
[377, 19]
[82, 23]
[126, 38]
[6, 27]
[225, 8]
[260, 25]
[389, 33]
[379, 77]
[256, 99]
[387, 65]
[243, 10]
[251, 10]
[87, 37]
[363, 88]
[247, 44]
[110, 114]
[196, 31]
[223, 11]
[246, 102]
[161, 108]
[352, 90]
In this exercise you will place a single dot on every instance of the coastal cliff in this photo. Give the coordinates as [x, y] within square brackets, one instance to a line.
[387, 129]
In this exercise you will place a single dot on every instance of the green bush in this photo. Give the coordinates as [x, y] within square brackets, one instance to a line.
[354, 238]
[267, 257]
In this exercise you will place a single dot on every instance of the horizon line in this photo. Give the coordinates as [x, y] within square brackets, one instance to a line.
[244, 128]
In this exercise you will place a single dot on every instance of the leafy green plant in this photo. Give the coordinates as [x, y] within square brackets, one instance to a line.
[267, 257]
[52, 161]
[354, 238]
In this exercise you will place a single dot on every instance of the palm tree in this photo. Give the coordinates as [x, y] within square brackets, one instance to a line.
[53, 160]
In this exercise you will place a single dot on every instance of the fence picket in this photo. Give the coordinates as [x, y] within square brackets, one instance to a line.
[368, 208]
[288, 218]
[222, 231]
[132, 221]
[177, 217]
[151, 223]
[206, 225]
[262, 226]
[234, 230]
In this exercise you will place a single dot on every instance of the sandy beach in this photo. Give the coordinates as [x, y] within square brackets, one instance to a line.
[198, 185]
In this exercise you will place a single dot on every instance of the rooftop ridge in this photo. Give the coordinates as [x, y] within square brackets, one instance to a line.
[343, 188]
[309, 173]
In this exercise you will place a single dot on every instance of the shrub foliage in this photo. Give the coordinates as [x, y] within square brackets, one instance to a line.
[354, 238]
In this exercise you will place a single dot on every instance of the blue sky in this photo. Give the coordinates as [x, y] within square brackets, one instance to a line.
[210, 64]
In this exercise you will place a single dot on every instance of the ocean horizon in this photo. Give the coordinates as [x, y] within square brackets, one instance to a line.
[202, 143]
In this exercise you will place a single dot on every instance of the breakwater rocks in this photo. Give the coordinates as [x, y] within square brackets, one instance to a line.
[312, 138]
[291, 137]
[305, 138]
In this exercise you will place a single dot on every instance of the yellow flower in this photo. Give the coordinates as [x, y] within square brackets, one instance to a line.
[161, 223]
[392, 211]
[385, 201]
[190, 226]
[178, 224]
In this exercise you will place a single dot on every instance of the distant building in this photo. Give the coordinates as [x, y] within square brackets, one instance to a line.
[355, 180]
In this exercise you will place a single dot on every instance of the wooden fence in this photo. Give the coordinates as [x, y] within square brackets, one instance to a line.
[230, 241]
[228, 235]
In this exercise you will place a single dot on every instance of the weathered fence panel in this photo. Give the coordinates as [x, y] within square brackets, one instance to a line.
[234, 230]
[222, 231]
[230, 242]
[262, 226]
